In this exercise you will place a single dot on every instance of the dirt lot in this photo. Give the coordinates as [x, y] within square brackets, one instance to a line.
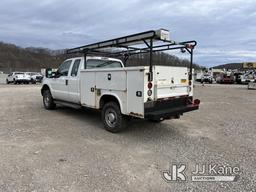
[68, 150]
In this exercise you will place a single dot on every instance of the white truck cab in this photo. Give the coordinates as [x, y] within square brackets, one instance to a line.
[65, 86]
[104, 83]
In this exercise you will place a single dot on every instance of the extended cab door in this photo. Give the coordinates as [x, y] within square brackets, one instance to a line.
[74, 83]
[59, 84]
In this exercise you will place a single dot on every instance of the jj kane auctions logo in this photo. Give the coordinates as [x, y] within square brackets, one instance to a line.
[202, 172]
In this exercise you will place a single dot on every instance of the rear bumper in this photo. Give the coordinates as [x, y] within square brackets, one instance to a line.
[171, 108]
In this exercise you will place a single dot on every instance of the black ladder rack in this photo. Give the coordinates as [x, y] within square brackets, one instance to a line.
[140, 43]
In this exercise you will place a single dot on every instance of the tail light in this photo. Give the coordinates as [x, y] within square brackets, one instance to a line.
[150, 85]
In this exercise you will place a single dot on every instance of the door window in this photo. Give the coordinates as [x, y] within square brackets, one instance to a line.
[75, 68]
[64, 68]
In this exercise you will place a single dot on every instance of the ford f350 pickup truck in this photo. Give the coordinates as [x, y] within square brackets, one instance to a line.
[104, 83]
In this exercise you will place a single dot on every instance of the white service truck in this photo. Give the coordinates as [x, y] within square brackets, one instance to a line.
[148, 92]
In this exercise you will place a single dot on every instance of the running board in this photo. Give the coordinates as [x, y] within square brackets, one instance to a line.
[68, 104]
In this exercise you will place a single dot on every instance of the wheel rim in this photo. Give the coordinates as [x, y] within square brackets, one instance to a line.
[46, 100]
[111, 117]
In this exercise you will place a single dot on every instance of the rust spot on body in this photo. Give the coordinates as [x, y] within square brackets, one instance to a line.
[136, 114]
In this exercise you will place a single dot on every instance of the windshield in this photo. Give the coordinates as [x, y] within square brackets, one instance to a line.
[96, 63]
[19, 73]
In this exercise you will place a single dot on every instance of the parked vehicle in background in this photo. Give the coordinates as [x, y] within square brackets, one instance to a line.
[206, 78]
[226, 77]
[18, 77]
[248, 77]
[238, 77]
[199, 76]
[149, 92]
[35, 77]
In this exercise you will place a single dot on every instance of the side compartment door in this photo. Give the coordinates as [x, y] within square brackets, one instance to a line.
[135, 93]
[60, 82]
[74, 83]
[88, 91]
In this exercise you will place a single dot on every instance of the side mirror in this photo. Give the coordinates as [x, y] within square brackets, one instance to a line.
[54, 75]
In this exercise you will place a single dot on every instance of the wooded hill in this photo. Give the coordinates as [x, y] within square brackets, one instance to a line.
[14, 58]
[229, 66]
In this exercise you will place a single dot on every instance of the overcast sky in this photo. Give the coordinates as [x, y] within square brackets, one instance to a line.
[225, 29]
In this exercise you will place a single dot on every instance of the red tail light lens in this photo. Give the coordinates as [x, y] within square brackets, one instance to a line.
[150, 85]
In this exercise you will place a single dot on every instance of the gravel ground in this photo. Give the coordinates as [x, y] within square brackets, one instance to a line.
[68, 149]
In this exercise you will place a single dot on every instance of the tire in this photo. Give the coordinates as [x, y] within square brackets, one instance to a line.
[112, 117]
[48, 100]
[7, 82]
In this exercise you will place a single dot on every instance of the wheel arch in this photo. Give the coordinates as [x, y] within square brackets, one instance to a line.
[108, 98]
[45, 87]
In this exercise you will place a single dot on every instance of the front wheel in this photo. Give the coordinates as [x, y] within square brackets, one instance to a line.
[48, 100]
[112, 117]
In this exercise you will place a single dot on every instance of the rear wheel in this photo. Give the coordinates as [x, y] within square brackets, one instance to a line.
[112, 117]
[7, 82]
[48, 100]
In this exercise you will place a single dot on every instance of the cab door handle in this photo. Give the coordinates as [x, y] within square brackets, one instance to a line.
[66, 82]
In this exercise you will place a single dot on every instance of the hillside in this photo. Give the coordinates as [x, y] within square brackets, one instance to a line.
[229, 66]
[14, 58]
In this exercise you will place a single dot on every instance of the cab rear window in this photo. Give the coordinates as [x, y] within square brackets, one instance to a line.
[96, 63]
